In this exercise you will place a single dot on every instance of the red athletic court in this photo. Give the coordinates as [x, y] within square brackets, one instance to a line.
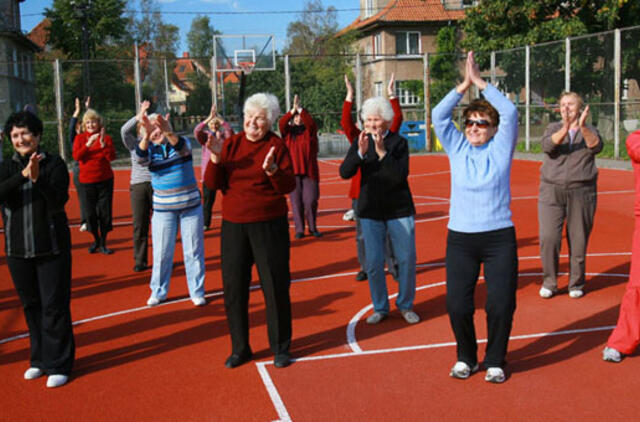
[167, 363]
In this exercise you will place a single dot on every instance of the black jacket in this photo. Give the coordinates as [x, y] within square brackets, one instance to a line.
[384, 189]
[35, 223]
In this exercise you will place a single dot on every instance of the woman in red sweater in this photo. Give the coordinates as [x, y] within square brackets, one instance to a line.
[300, 133]
[352, 132]
[253, 171]
[93, 150]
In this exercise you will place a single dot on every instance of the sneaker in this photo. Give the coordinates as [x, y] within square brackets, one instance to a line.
[349, 216]
[494, 375]
[376, 317]
[138, 268]
[463, 371]
[576, 294]
[609, 354]
[282, 360]
[545, 293]
[411, 317]
[199, 301]
[56, 380]
[236, 360]
[361, 276]
[153, 301]
[206, 228]
[316, 233]
[83, 227]
[33, 373]
[299, 235]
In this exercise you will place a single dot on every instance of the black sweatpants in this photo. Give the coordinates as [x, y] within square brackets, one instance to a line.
[99, 198]
[44, 287]
[208, 199]
[497, 251]
[141, 206]
[267, 245]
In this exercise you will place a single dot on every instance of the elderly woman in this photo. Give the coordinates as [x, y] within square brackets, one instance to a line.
[141, 193]
[33, 192]
[300, 133]
[213, 124]
[93, 150]
[253, 171]
[385, 206]
[568, 192]
[176, 202]
[480, 226]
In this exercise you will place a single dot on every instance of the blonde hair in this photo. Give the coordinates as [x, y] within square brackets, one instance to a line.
[573, 94]
[91, 114]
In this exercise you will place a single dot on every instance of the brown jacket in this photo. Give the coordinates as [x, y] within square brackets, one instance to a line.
[569, 164]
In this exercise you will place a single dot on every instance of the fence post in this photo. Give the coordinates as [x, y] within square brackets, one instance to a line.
[616, 92]
[358, 86]
[57, 86]
[427, 101]
[166, 86]
[493, 68]
[527, 98]
[287, 84]
[214, 82]
[567, 64]
[137, 86]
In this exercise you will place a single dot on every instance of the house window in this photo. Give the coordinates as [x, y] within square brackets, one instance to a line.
[368, 8]
[377, 89]
[377, 45]
[16, 68]
[469, 3]
[407, 43]
[406, 97]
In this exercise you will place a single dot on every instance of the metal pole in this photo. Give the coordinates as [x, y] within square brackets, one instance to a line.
[616, 92]
[214, 82]
[57, 86]
[493, 68]
[166, 86]
[427, 101]
[358, 86]
[136, 79]
[527, 97]
[287, 84]
[567, 64]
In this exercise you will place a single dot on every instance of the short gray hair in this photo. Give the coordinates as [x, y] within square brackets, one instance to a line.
[377, 106]
[263, 101]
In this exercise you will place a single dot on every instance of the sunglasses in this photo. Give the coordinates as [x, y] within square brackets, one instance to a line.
[481, 124]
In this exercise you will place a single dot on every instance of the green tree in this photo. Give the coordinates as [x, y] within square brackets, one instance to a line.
[200, 37]
[309, 34]
[444, 72]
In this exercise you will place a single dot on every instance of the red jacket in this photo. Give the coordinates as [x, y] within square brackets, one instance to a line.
[250, 195]
[302, 142]
[95, 161]
[352, 133]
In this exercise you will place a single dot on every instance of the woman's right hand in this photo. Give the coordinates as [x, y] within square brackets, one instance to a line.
[144, 106]
[32, 170]
[347, 83]
[363, 143]
[76, 111]
[92, 139]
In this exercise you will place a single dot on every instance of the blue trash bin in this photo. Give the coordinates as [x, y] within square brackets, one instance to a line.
[414, 132]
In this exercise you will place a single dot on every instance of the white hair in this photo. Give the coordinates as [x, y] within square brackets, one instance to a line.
[377, 106]
[266, 102]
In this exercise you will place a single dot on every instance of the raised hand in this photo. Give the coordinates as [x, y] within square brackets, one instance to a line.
[347, 83]
[76, 111]
[474, 71]
[391, 86]
[32, 169]
[144, 120]
[583, 116]
[87, 102]
[363, 143]
[296, 103]
[466, 82]
[378, 142]
[93, 138]
[144, 106]
[103, 132]
[212, 113]
[163, 123]
[269, 165]
[214, 143]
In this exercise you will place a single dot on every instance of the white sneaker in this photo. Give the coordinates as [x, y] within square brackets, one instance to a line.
[56, 380]
[199, 301]
[349, 216]
[410, 316]
[462, 371]
[376, 317]
[575, 294]
[33, 373]
[495, 375]
[609, 354]
[545, 293]
[153, 301]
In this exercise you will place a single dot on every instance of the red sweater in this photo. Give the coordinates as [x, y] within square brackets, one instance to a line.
[249, 194]
[352, 133]
[302, 142]
[95, 161]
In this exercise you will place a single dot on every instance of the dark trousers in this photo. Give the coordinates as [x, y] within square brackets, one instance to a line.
[44, 287]
[497, 251]
[267, 245]
[208, 199]
[304, 203]
[82, 200]
[99, 204]
[141, 206]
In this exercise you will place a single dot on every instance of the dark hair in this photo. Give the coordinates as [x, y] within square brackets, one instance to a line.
[482, 106]
[23, 119]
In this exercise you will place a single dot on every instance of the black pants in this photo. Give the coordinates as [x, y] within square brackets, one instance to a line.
[208, 199]
[44, 287]
[80, 191]
[497, 250]
[99, 204]
[141, 206]
[267, 245]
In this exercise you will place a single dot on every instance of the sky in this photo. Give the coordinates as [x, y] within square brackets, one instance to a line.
[32, 12]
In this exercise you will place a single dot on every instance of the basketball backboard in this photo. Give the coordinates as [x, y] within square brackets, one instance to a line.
[232, 53]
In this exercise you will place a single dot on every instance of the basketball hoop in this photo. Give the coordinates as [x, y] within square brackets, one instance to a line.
[247, 67]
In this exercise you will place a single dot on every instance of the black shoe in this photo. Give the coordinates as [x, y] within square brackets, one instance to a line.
[138, 268]
[299, 235]
[361, 276]
[316, 233]
[106, 250]
[236, 360]
[282, 360]
[94, 247]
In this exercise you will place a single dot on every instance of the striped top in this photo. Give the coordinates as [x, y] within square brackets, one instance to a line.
[139, 173]
[172, 177]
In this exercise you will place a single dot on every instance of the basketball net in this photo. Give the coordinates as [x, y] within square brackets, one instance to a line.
[247, 67]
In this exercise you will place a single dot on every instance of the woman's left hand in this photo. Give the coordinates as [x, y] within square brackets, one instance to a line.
[269, 165]
[378, 142]
[583, 116]
[32, 170]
